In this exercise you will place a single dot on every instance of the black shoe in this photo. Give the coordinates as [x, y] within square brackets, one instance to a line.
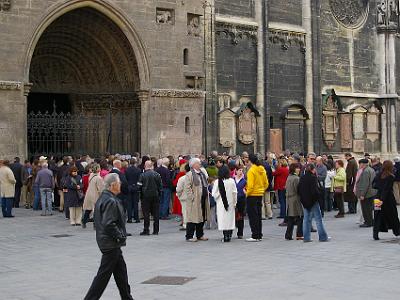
[144, 233]
[365, 226]
[83, 225]
[137, 221]
[129, 221]
[128, 234]
[155, 233]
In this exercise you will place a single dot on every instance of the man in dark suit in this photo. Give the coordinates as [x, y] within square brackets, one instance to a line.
[16, 168]
[132, 175]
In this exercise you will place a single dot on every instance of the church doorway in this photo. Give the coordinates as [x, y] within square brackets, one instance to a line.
[84, 95]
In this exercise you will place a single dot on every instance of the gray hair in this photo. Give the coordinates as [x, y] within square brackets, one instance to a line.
[45, 165]
[117, 162]
[95, 168]
[193, 161]
[165, 161]
[110, 179]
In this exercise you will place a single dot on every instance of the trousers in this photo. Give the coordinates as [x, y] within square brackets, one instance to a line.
[254, 206]
[112, 262]
[151, 205]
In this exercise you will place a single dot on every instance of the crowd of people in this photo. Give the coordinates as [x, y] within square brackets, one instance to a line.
[215, 191]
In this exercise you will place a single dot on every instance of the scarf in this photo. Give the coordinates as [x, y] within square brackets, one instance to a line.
[199, 177]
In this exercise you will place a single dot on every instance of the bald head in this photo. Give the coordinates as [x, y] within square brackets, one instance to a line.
[148, 165]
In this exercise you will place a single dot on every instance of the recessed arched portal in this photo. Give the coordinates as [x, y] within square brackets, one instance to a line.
[85, 78]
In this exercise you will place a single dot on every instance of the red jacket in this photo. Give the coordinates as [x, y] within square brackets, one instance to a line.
[280, 176]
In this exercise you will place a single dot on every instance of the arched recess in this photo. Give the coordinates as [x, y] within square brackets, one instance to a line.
[294, 130]
[87, 67]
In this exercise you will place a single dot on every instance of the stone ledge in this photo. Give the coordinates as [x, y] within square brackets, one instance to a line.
[171, 93]
[10, 85]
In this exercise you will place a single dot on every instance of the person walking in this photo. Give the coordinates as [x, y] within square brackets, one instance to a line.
[240, 182]
[109, 219]
[294, 207]
[45, 181]
[198, 205]
[385, 213]
[16, 168]
[309, 198]
[93, 192]
[365, 192]
[150, 188]
[132, 175]
[225, 194]
[339, 187]
[7, 188]
[257, 184]
[74, 196]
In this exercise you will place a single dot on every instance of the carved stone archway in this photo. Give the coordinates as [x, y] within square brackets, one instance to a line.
[85, 56]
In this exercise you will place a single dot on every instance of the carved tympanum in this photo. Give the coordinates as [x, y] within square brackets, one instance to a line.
[350, 13]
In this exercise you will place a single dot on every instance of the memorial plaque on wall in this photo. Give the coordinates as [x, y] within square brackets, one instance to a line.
[358, 146]
[275, 141]
[346, 137]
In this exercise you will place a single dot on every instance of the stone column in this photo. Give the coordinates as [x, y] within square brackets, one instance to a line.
[260, 79]
[306, 4]
[393, 139]
[144, 121]
[384, 145]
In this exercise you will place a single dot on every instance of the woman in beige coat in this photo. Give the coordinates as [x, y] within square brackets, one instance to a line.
[197, 202]
[7, 189]
[95, 188]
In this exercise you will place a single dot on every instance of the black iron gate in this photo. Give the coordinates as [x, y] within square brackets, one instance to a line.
[85, 132]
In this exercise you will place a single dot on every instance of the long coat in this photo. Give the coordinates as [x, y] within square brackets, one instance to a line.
[7, 182]
[95, 188]
[71, 197]
[293, 204]
[351, 174]
[192, 194]
[364, 184]
[388, 213]
[226, 219]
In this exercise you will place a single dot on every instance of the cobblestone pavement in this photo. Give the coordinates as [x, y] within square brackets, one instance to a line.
[36, 265]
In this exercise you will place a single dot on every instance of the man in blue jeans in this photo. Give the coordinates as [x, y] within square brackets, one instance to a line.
[45, 182]
[7, 189]
[166, 192]
[309, 196]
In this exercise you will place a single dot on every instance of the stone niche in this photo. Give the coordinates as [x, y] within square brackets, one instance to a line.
[330, 124]
[193, 25]
[346, 134]
[247, 124]
[373, 128]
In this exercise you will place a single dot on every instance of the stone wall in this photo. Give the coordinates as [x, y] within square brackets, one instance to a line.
[237, 8]
[288, 12]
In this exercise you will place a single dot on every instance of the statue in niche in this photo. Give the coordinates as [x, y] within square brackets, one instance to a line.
[194, 25]
[393, 13]
[382, 13]
[164, 16]
[224, 101]
[247, 126]
[330, 126]
[5, 5]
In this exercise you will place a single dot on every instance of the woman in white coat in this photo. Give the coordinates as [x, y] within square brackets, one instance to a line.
[225, 195]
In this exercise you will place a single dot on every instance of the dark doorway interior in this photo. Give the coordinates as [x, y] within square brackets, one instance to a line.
[42, 102]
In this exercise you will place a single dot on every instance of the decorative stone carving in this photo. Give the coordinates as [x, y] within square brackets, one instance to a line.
[247, 126]
[10, 85]
[227, 128]
[275, 141]
[193, 25]
[224, 101]
[330, 119]
[27, 88]
[373, 117]
[346, 134]
[177, 93]
[288, 38]
[387, 15]
[165, 16]
[358, 122]
[350, 13]
[5, 5]
[194, 82]
[237, 32]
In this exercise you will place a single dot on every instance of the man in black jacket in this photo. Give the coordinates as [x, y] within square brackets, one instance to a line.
[132, 175]
[309, 196]
[150, 186]
[109, 218]
[16, 168]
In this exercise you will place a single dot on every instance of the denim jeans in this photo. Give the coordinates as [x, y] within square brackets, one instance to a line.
[36, 199]
[46, 195]
[282, 203]
[314, 212]
[328, 199]
[164, 202]
[6, 206]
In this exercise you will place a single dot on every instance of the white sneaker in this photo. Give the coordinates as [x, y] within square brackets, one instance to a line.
[327, 240]
[252, 240]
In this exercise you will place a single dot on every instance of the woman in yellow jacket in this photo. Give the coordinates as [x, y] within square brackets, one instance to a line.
[339, 187]
[257, 184]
